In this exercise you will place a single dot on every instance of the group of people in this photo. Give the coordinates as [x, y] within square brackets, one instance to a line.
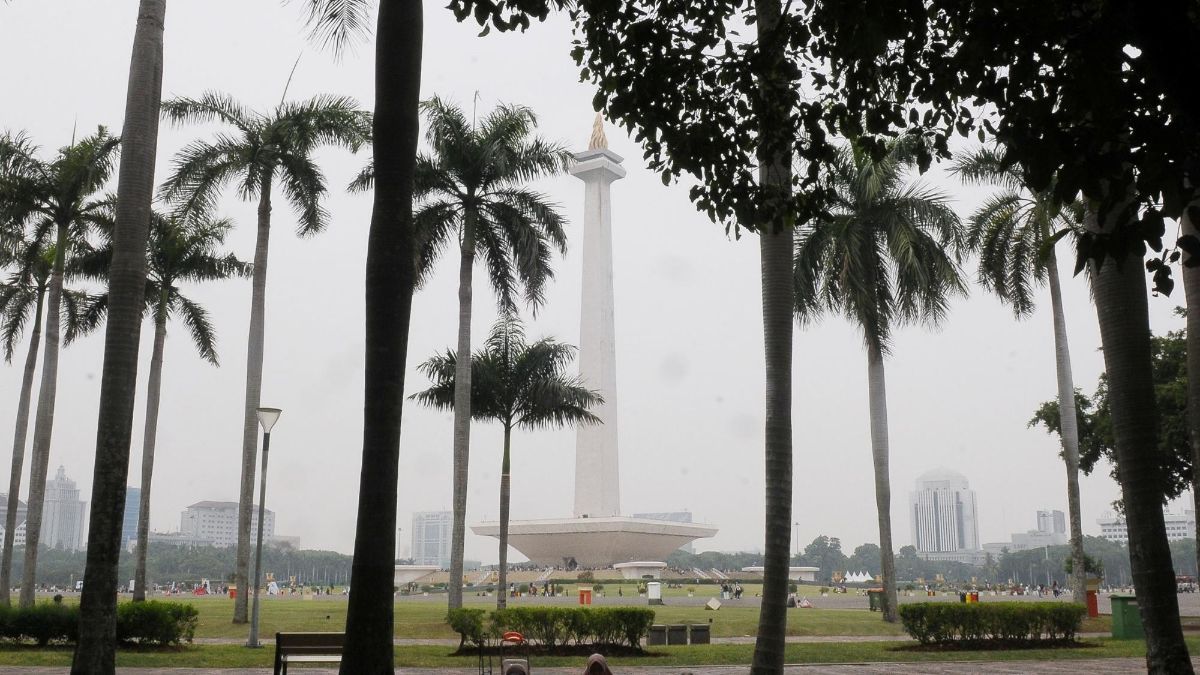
[731, 590]
[547, 589]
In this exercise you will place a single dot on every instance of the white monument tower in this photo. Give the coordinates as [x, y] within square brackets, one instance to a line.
[597, 479]
[598, 535]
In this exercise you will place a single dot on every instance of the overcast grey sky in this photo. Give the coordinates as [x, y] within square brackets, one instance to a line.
[689, 341]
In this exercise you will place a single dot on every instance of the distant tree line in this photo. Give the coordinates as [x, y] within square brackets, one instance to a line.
[1042, 565]
[166, 563]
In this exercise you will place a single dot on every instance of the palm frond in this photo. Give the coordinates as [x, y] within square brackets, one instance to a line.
[195, 319]
[304, 187]
[338, 23]
[365, 180]
[211, 106]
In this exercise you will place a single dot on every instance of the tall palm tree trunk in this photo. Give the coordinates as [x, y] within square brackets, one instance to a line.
[776, 247]
[43, 426]
[880, 451]
[95, 653]
[254, 368]
[153, 395]
[1069, 429]
[390, 277]
[776, 255]
[505, 501]
[1191, 291]
[1123, 314]
[18, 456]
[462, 412]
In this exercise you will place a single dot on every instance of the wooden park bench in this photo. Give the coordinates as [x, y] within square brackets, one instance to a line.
[307, 648]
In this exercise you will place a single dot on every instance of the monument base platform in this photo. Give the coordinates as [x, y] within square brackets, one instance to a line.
[596, 542]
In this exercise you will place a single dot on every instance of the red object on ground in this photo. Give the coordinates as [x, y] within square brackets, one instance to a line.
[1093, 604]
[585, 596]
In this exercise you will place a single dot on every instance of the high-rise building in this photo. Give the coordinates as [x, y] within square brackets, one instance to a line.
[945, 525]
[217, 522]
[62, 513]
[431, 534]
[19, 536]
[133, 507]
[1051, 522]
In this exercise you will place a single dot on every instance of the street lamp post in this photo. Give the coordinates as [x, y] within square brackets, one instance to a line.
[266, 419]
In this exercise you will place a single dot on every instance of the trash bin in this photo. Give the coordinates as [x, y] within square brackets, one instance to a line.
[1093, 591]
[654, 592]
[875, 599]
[677, 634]
[657, 635]
[1126, 619]
[232, 591]
[700, 634]
[585, 595]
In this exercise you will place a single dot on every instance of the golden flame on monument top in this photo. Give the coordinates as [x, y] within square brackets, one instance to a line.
[598, 141]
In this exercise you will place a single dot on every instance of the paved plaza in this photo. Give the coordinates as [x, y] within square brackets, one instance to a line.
[1090, 666]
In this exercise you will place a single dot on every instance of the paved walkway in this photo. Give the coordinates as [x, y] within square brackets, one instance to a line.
[1064, 667]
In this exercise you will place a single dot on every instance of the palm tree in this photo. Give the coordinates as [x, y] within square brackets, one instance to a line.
[519, 385]
[390, 280]
[776, 237]
[268, 150]
[470, 191]
[1013, 234]
[179, 251]
[56, 196]
[23, 293]
[886, 256]
[96, 650]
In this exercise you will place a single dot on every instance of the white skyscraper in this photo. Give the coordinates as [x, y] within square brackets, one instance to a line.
[944, 521]
[431, 534]
[62, 515]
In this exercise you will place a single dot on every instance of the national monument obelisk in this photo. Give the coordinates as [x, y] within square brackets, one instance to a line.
[597, 476]
[598, 536]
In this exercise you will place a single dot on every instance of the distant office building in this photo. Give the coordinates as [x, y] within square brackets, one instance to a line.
[431, 533]
[1052, 522]
[1051, 531]
[944, 521]
[133, 506]
[674, 517]
[216, 522]
[19, 536]
[62, 513]
[1181, 524]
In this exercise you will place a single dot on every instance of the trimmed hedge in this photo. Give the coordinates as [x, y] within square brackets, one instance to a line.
[153, 622]
[948, 622]
[146, 623]
[552, 626]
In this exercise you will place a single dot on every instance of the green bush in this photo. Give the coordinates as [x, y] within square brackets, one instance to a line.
[43, 623]
[468, 623]
[946, 622]
[552, 626]
[153, 622]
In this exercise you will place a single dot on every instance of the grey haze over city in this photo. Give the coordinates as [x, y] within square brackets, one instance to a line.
[688, 319]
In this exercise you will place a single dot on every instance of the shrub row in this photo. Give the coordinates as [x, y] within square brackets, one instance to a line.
[144, 623]
[947, 622]
[551, 626]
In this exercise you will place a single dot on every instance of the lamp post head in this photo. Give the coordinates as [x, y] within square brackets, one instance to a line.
[267, 417]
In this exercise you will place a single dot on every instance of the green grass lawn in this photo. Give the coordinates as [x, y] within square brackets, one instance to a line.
[425, 619]
[236, 656]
